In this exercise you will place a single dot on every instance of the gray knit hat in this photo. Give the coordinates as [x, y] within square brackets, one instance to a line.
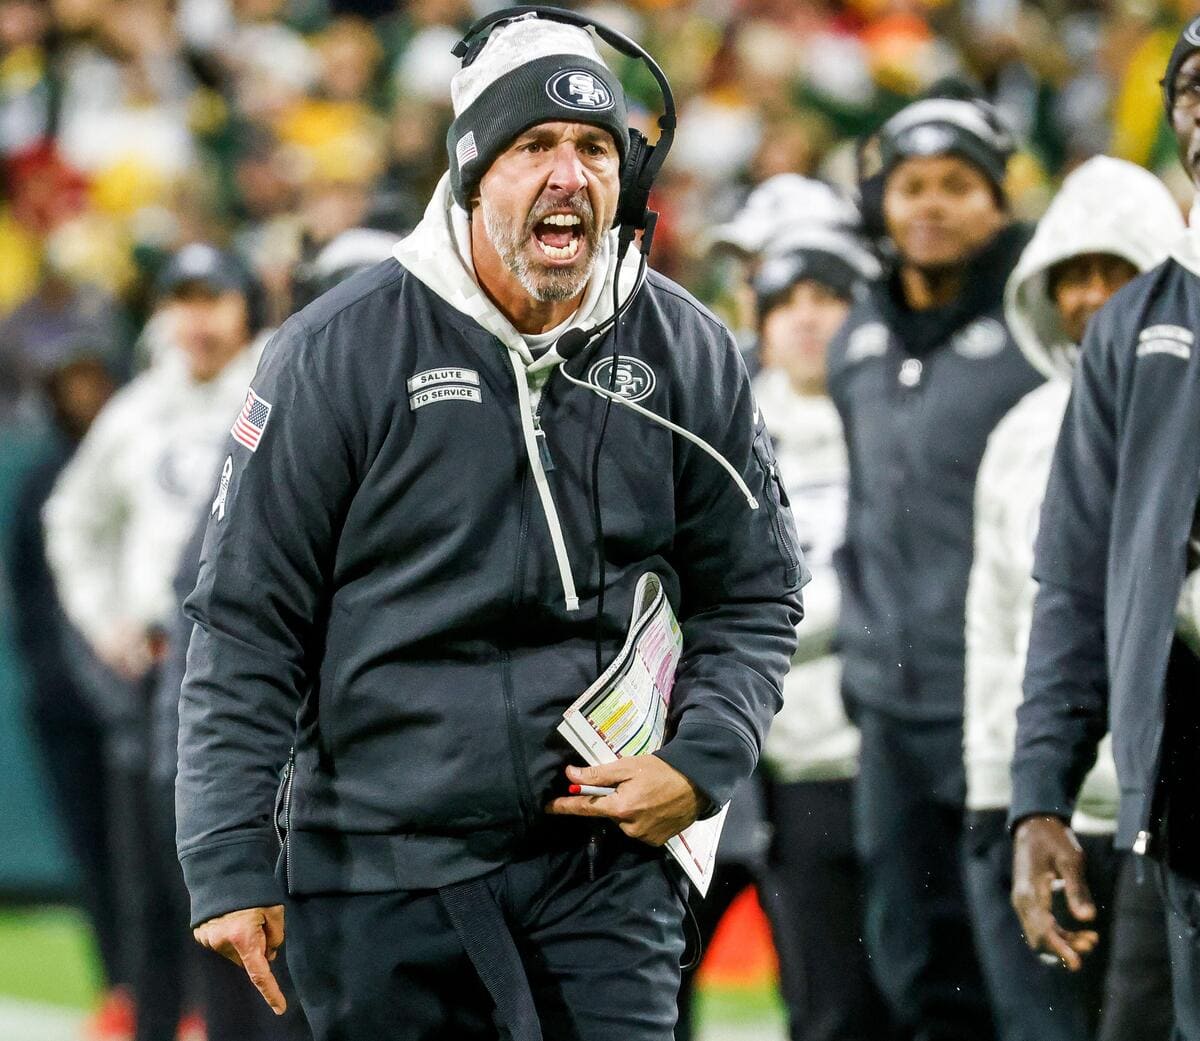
[531, 70]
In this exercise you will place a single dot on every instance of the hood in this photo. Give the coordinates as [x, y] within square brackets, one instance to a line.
[1105, 206]
[1186, 248]
[438, 252]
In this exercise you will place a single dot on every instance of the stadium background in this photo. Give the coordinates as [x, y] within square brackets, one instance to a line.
[129, 127]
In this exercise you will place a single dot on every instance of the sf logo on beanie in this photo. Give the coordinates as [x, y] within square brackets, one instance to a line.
[579, 90]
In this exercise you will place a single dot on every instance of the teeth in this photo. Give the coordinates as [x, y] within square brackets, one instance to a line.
[562, 220]
[561, 252]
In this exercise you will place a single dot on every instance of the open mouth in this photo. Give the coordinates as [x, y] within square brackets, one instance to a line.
[559, 236]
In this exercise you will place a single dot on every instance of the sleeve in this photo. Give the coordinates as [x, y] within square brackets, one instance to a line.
[1065, 711]
[741, 572]
[993, 611]
[83, 519]
[853, 620]
[262, 587]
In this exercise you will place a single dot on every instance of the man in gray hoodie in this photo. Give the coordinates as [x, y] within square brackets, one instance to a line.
[402, 581]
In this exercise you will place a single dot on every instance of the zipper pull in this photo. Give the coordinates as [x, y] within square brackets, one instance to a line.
[543, 445]
[593, 853]
[1142, 843]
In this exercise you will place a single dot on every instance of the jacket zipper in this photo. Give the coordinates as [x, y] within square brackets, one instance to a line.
[1143, 839]
[774, 493]
[516, 748]
[543, 445]
[289, 772]
[780, 529]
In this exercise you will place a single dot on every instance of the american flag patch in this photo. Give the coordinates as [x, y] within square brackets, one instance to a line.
[251, 421]
[465, 150]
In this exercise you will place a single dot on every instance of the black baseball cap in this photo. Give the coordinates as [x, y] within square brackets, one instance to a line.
[202, 264]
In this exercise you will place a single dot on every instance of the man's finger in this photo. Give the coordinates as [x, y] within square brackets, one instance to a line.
[1031, 898]
[1079, 898]
[1036, 923]
[583, 806]
[1057, 944]
[254, 961]
[608, 774]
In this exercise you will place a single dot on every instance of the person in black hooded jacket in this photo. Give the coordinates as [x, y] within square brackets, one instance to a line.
[921, 373]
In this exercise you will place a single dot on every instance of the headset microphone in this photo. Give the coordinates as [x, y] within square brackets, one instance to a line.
[572, 343]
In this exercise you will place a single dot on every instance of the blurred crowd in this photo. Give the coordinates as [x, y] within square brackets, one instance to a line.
[179, 177]
[129, 127]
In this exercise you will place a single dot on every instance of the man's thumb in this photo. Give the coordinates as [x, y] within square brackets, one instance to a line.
[273, 927]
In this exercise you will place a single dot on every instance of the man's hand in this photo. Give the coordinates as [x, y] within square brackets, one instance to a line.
[125, 648]
[653, 801]
[1045, 850]
[251, 939]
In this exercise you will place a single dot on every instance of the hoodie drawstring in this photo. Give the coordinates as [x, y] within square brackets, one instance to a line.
[543, 486]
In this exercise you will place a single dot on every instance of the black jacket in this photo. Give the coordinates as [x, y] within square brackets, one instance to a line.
[918, 393]
[379, 588]
[1111, 552]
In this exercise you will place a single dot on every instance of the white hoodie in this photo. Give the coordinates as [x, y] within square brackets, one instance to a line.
[126, 503]
[1105, 206]
[811, 738]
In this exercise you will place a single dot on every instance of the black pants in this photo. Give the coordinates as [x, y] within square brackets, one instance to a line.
[1033, 1001]
[1177, 841]
[79, 779]
[154, 906]
[812, 893]
[1181, 896]
[909, 821]
[602, 955]
[1137, 993]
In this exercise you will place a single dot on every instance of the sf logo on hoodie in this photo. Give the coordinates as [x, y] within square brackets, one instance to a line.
[634, 381]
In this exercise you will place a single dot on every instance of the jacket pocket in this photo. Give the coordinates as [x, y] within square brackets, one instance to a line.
[283, 800]
[777, 505]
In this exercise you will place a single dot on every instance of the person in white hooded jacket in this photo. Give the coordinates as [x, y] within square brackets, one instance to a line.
[1110, 221]
[116, 523]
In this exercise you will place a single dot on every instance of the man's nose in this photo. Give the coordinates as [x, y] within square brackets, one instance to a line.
[567, 173]
[1096, 291]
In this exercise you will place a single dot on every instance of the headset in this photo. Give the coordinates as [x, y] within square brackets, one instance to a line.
[643, 160]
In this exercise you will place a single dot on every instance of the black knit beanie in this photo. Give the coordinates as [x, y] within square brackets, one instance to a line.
[1189, 41]
[530, 71]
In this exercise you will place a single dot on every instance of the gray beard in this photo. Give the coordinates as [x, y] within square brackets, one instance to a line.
[545, 285]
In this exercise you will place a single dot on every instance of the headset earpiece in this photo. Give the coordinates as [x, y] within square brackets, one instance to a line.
[634, 201]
